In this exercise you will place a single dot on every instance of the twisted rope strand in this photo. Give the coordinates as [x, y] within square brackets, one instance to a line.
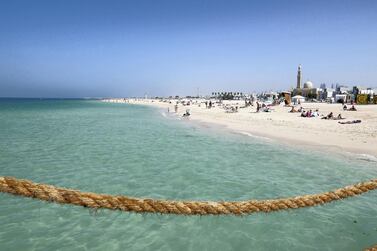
[51, 193]
[374, 248]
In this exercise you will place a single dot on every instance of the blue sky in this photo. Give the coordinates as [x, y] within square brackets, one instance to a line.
[94, 48]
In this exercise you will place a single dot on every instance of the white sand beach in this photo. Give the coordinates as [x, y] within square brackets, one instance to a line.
[290, 128]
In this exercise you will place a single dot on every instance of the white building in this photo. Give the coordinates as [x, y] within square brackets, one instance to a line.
[298, 99]
[339, 98]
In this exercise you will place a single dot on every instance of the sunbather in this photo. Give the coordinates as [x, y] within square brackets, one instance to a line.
[352, 108]
[329, 116]
[266, 109]
[350, 122]
[293, 109]
[339, 117]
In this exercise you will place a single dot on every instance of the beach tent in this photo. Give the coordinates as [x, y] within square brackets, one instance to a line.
[298, 99]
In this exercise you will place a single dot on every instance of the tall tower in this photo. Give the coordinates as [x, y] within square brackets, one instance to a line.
[299, 77]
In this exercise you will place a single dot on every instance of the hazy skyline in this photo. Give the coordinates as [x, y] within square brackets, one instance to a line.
[128, 48]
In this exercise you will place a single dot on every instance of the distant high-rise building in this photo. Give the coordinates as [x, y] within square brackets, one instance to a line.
[323, 86]
[299, 77]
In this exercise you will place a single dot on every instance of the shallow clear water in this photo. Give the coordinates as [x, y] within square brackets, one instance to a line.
[134, 150]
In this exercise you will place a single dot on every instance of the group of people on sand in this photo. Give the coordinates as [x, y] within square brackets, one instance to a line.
[263, 107]
[331, 116]
[339, 117]
[310, 114]
[209, 104]
[305, 114]
[248, 103]
[231, 109]
[315, 113]
[345, 108]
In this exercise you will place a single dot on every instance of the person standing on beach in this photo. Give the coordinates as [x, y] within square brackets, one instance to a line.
[258, 106]
[176, 108]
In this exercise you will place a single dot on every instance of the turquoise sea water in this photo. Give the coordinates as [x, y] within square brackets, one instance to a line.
[136, 151]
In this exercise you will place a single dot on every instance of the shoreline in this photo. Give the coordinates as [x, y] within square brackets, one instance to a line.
[294, 144]
[291, 129]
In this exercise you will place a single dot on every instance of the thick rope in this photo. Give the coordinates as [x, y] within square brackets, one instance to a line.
[374, 248]
[50, 193]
